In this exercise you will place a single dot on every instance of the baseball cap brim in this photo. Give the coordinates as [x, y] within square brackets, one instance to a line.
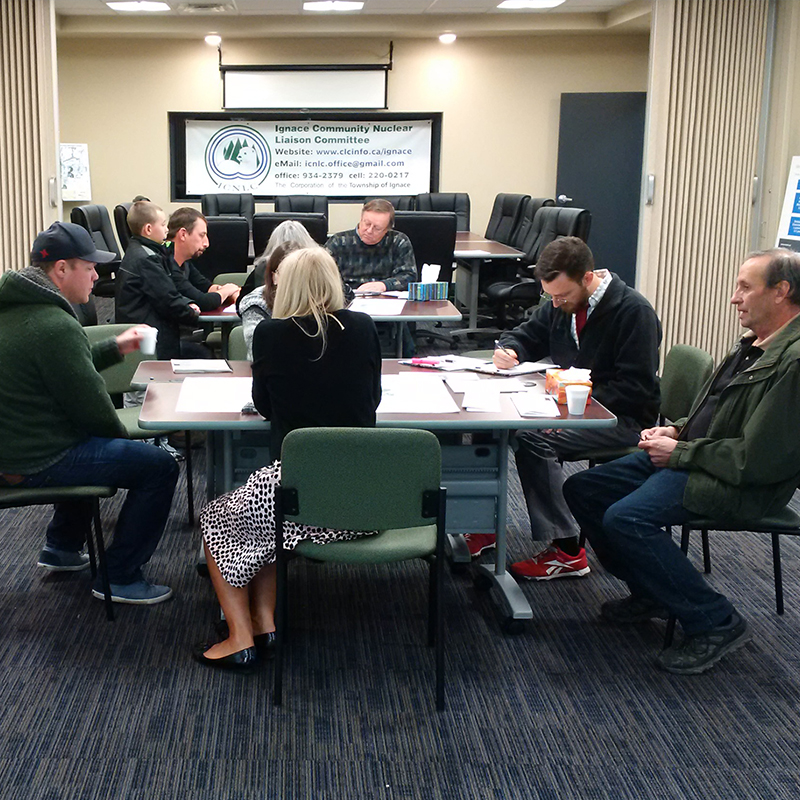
[100, 257]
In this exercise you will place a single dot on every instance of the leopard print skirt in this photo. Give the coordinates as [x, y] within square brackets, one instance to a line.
[239, 528]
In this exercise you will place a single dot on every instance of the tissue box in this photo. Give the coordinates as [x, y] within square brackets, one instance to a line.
[428, 291]
[556, 385]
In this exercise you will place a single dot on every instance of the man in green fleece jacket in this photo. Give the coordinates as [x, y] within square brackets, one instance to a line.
[736, 457]
[57, 423]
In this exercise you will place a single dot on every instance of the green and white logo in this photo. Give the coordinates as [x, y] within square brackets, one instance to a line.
[238, 153]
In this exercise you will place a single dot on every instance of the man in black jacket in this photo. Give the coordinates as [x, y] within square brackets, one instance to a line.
[594, 322]
[187, 230]
[145, 289]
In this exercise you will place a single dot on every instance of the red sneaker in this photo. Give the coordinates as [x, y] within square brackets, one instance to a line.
[478, 542]
[551, 563]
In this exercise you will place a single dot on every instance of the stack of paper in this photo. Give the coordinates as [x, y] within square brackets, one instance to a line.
[535, 404]
[415, 393]
[182, 365]
[214, 395]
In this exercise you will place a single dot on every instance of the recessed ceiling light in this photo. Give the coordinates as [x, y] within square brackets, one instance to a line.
[530, 4]
[214, 39]
[447, 38]
[332, 5]
[138, 5]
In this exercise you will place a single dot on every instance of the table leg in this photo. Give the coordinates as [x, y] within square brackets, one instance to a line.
[399, 337]
[516, 602]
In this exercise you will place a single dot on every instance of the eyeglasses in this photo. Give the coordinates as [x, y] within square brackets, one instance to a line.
[370, 228]
[559, 301]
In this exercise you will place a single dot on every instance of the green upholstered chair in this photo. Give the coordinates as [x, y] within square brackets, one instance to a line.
[237, 349]
[118, 379]
[231, 277]
[786, 523]
[12, 497]
[365, 479]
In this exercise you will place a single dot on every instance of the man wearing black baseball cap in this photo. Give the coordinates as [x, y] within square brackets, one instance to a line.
[58, 424]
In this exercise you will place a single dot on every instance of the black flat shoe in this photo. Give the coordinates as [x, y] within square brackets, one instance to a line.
[243, 661]
[265, 645]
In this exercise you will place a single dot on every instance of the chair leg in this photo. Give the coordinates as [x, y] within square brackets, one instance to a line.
[90, 544]
[670, 632]
[280, 603]
[101, 558]
[706, 553]
[432, 590]
[439, 570]
[189, 482]
[776, 566]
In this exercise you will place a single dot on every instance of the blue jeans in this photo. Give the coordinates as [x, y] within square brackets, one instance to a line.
[147, 472]
[623, 507]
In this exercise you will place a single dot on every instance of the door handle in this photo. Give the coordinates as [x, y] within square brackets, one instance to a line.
[563, 199]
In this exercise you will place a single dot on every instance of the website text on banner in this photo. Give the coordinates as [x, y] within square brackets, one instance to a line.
[344, 159]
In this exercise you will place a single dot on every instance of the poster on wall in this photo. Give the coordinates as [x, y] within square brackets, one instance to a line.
[75, 181]
[344, 158]
[789, 226]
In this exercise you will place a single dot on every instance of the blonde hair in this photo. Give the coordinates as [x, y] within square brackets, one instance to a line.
[309, 285]
[141, 213]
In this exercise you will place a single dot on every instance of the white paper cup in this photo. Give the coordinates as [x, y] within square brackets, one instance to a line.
[147, 344]
[577, 397]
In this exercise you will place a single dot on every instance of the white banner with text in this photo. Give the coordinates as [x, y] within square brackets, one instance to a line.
[332, 158]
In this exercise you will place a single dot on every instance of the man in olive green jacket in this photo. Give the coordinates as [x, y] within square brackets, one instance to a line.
[58, 424]
[737, 457]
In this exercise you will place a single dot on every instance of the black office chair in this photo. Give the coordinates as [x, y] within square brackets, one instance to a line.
[505, 216]
[96, 220]
[229, 205]
[457, 202]
[433, 237]
[265, 222]
[304, 203]
[121, 224]
[228, 247]
[522, 293]
[401, 202]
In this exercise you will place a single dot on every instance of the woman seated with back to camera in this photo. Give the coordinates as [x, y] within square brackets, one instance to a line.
[255, 304]
[316, 364]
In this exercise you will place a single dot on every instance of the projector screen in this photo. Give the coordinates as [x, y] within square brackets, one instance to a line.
[342, 156]
[304, 88]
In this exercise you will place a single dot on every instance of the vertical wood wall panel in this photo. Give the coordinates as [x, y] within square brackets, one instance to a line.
[704, 152]
[26, 122]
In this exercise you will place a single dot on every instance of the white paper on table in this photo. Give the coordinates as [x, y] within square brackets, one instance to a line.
[214, 395]
[402, 295]
[524, 368]
[378, 306]
[231, 309]
[475, 253]
[535, 404]
[182, 365]
[414, 393]
[430, 273]
[480, 397]
[461, 381]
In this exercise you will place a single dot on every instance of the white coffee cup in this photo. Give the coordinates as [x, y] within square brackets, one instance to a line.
[147, 342]
[577, 397]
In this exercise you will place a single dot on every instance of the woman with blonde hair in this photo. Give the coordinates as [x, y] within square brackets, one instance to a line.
[316, 364]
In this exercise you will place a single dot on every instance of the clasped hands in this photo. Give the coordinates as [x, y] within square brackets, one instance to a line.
[658, 443]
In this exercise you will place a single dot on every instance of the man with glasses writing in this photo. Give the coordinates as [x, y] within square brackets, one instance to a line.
[374, 257]
[594, 322]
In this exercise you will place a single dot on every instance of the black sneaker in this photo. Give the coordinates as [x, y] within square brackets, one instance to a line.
[62, 560]
[700, 651]
[631, 610]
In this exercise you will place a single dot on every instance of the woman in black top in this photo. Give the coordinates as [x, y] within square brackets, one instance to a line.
[316, 364]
